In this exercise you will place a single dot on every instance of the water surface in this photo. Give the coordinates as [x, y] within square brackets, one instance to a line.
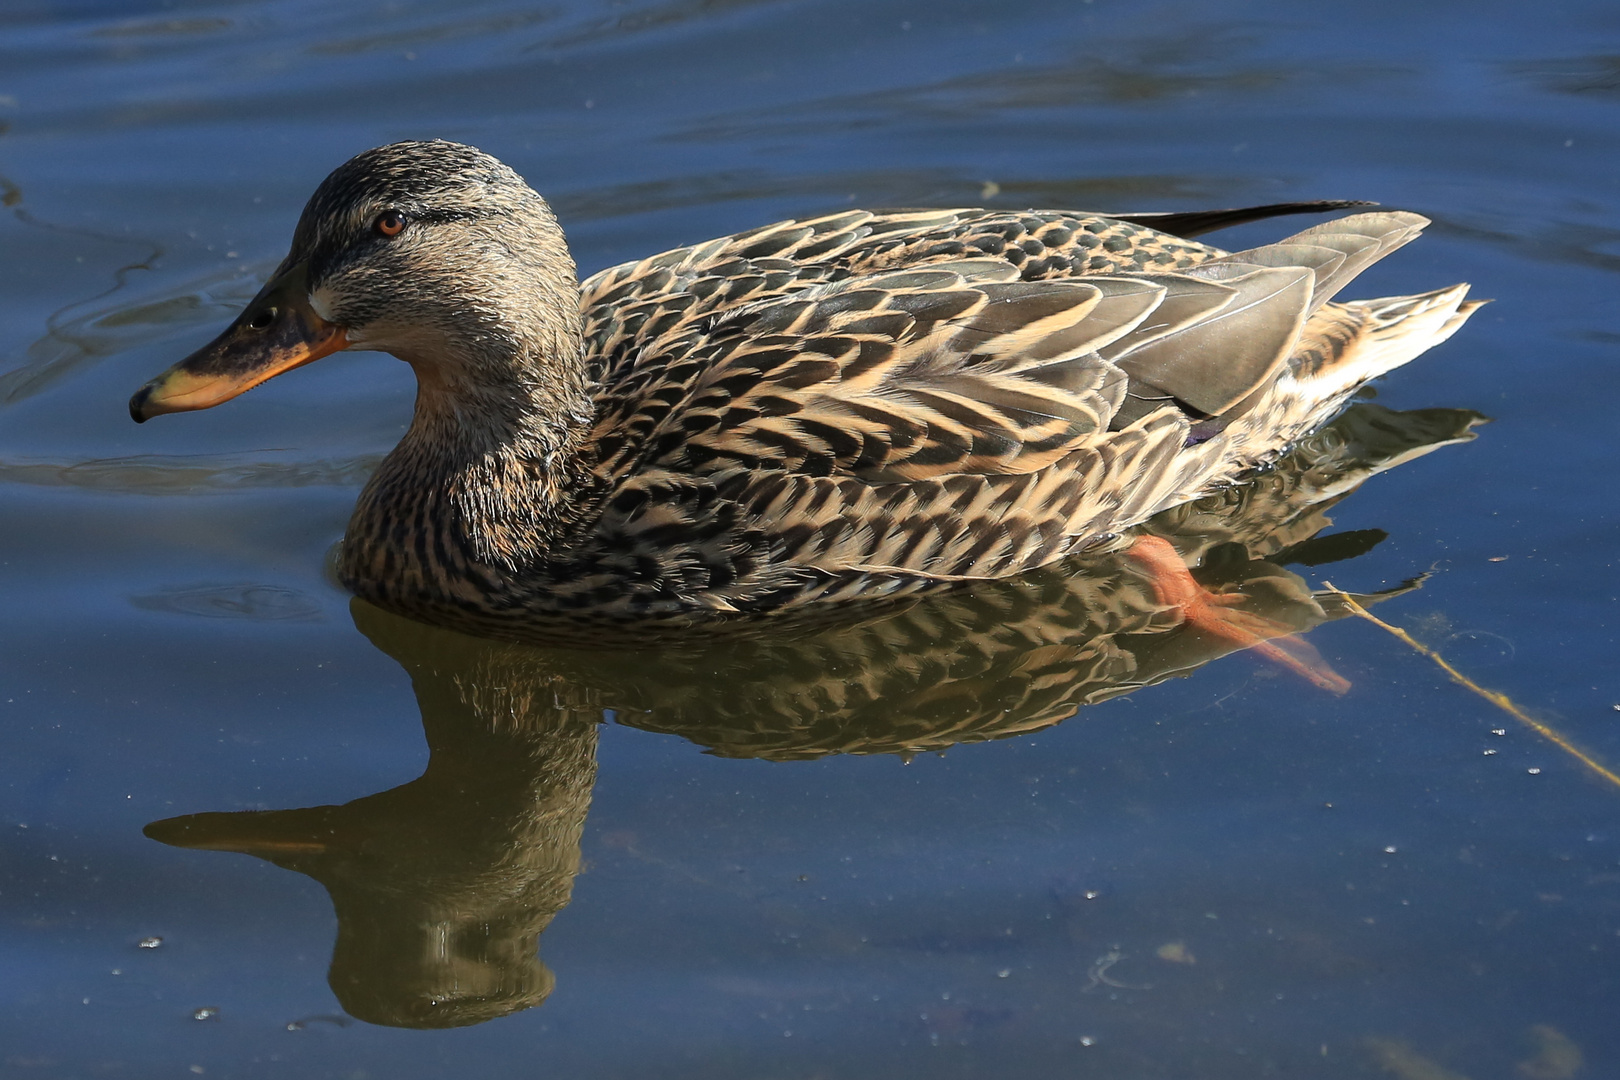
[879, 851]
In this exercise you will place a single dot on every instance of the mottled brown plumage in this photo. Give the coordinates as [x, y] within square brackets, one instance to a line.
[853, 406]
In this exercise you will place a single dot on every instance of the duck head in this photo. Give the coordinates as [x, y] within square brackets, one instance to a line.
[433, 251]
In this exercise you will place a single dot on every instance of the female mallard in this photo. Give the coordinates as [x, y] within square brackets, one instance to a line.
[858, 405]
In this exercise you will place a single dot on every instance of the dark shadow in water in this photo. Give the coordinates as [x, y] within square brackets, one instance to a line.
[841, 188]
[1210, 62]
[442, 886]
[1596, 76]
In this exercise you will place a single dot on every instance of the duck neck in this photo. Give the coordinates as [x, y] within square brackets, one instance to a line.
[489, 467]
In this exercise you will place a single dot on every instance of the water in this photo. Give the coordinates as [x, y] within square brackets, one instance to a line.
[1191, 879]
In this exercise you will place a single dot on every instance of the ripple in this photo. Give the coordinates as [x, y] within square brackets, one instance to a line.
[1584, 76]
[258, 602]
[178, 474]
[76, 343]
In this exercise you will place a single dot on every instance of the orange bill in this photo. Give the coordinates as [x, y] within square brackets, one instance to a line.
[277, 332]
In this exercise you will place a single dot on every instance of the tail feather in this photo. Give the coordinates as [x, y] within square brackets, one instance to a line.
[1390, 332]
[1198, 222]
[1336, 251]
[1221, 365]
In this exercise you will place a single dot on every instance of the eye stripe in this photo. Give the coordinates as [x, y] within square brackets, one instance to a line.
[435, 217]
[382, 224]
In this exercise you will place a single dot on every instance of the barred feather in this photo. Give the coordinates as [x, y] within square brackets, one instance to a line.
[860, 404]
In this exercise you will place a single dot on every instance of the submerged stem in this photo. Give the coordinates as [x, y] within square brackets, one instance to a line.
[1495, 697]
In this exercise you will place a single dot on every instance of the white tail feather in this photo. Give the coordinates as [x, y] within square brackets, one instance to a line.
[1397, 329]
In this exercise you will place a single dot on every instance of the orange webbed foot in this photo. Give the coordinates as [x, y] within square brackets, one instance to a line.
[1219, 615]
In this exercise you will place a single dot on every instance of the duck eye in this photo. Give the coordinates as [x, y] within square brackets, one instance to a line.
[390, 223]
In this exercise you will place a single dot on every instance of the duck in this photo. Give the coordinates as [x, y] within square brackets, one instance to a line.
[861, 405]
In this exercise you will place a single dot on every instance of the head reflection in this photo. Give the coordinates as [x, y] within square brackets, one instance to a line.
[443, 886]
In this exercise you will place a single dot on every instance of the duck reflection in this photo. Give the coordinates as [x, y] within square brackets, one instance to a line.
[442, 886]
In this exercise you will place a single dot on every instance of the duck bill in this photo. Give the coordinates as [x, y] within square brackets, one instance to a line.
[268, 834]
[277, 332]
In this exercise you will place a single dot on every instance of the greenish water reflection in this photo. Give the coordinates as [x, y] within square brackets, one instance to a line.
[443, 886]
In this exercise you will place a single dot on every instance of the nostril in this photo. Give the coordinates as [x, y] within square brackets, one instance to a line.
[262, 318]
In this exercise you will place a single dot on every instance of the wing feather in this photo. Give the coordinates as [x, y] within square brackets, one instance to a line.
[875, 402]
[946, 369]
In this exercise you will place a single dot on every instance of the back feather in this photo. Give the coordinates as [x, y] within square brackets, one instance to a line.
[894, 401]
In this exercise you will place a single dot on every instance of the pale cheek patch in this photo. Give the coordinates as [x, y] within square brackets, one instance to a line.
[320, 301]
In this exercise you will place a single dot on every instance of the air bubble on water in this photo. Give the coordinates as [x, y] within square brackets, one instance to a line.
[1087, 1040]
[1003, 973]
[149, 942]
[1533, 771]
[1488, 753]
[1498, 731]
[1390, 850]
[207, 1012]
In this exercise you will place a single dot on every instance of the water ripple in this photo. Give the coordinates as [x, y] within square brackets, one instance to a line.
[185, 474]
[258, 602]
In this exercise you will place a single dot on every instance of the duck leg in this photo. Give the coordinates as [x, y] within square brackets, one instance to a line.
[1216, 614]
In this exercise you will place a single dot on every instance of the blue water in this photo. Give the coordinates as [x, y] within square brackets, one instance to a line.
[1230, 875]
